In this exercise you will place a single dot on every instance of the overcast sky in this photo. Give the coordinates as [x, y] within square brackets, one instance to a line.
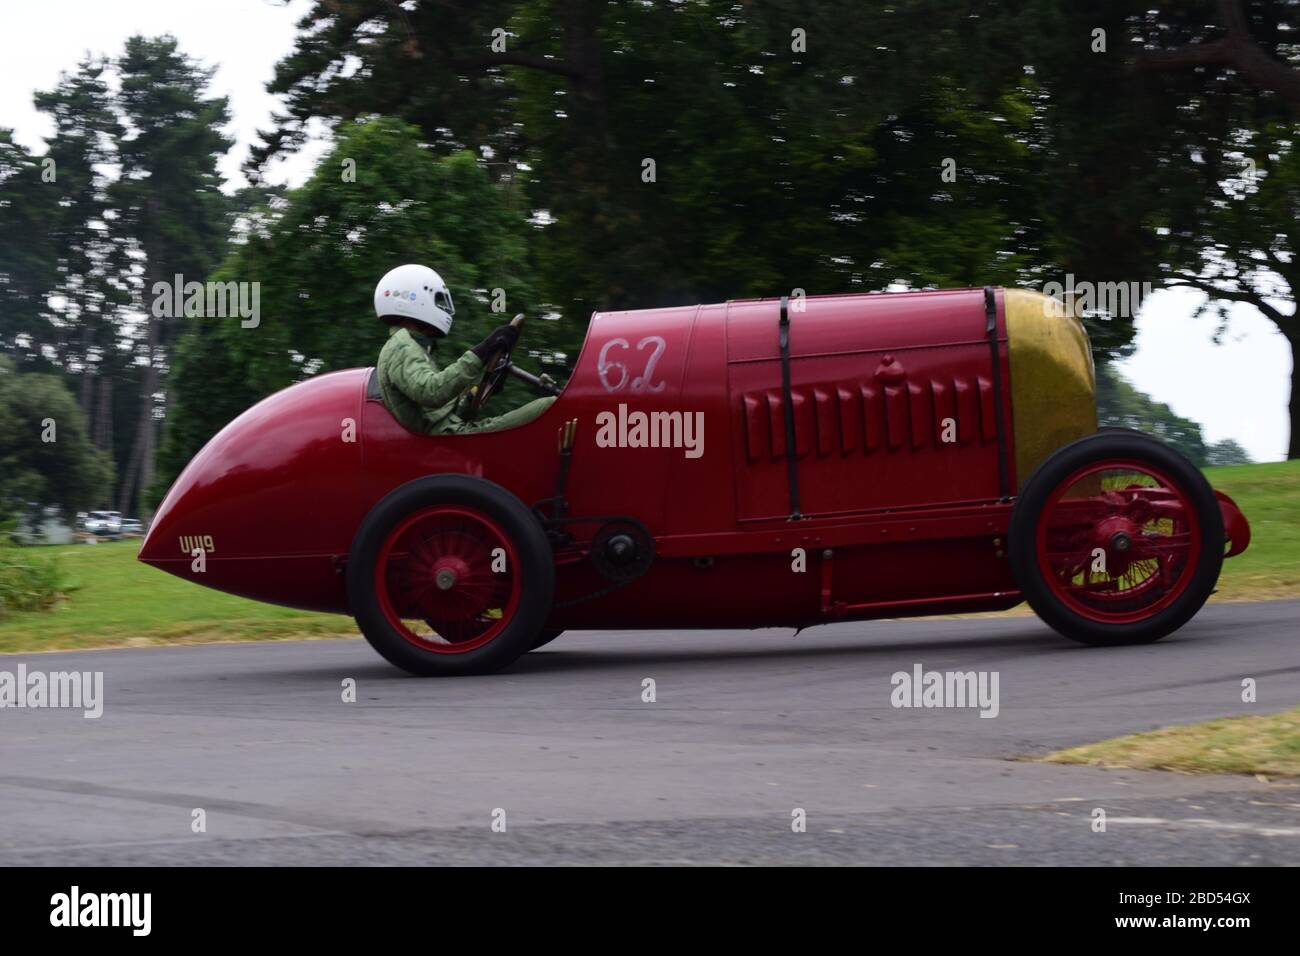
[1237, 389]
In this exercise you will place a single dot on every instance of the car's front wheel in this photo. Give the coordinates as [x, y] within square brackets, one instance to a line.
[450, 575]
[1116, 539]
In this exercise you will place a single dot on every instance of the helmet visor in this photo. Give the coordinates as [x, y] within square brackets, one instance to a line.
[442, 299]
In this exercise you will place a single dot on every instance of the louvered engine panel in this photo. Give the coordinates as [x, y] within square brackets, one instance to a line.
[849, 418]
[892, 397]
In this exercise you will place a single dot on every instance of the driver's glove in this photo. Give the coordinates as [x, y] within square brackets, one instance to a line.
[500, 339]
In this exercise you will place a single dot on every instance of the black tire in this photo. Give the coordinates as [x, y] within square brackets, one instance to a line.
[546, 637]
[1114, 444]
[536, 566]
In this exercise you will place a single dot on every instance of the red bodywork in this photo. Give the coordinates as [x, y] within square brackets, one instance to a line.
[895, 521]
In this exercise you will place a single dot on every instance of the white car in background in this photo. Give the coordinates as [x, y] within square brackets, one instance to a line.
[104, 523]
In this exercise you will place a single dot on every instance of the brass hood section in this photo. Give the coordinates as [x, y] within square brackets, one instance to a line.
[1053, 382]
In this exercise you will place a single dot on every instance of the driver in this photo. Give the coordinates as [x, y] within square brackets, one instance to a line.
[415, 301]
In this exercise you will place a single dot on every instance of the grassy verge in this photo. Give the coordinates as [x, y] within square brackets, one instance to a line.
[1267, 745]
[1269, 497]
[119, 601]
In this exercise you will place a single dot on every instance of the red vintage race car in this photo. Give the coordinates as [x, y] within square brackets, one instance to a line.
[748, 464]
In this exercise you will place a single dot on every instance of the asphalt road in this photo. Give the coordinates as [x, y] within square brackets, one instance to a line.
[746, 727]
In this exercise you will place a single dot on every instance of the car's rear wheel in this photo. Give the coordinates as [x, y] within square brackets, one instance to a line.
[450, 575]
[1116, 539]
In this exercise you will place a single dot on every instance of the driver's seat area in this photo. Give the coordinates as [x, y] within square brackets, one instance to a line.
[373, 392]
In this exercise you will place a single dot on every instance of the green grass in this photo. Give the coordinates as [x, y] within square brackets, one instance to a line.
[1269, 497]
[1264, 745]
[115, 600]
[119, 601]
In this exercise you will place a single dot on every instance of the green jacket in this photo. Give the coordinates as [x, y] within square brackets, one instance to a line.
[419, 396]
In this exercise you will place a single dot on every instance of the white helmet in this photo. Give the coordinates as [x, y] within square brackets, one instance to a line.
[415, 292]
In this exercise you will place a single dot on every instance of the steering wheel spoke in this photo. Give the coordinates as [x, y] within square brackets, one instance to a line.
[495, 370]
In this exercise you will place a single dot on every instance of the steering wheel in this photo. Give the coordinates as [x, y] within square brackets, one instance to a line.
[495, 370]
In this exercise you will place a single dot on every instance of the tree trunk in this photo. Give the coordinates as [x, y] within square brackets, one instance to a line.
[87, 397]
[126, 484]
[1293, 446]
[139, 468]
[148, 439]
[1293, 449]
[103, 431]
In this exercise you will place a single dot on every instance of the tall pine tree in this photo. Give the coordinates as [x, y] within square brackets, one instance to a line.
[169, 199]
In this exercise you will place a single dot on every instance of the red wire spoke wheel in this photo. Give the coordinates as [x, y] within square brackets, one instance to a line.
[1117, 539]
[451, 575]
[447, 579]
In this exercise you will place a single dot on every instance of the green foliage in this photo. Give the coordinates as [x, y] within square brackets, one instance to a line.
[169, 192]
[1226, 452]
[1220, 150]
[1081, 147]
[28, 257]
[317, 255]
[29, 581]
[67, 471]
[90, 256]
[775, 168]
